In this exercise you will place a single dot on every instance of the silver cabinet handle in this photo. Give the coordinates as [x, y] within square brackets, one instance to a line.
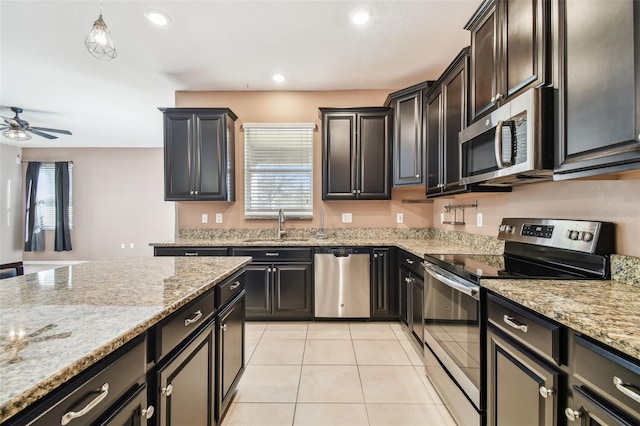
[375, 255]
[354, 191]
[359, 191]
[167, 390]
[625, 389]
[511, 322]
[196, 192]
[572, 414]
[234, 285]
[104, 391]
[545, 392]
[409, 261]
[191, 192]
[191, 253]
[417, 176]
[407, 280]
[147, 413]
[223, 327]
[194, 317]
[493, 99]
[270, 254]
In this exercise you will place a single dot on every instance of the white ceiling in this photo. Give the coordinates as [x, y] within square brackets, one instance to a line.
[208, 45]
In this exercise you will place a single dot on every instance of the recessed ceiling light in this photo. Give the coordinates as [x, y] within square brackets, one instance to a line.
[156, 17]
[360, 17]
[279, 78]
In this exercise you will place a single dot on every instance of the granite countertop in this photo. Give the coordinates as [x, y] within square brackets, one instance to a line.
[415, 246]
[56, 323]
[608, 311]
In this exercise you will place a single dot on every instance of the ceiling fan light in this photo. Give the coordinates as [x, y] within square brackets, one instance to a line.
[16, 135]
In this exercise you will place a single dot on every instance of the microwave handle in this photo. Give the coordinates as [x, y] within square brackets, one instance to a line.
[498, 144]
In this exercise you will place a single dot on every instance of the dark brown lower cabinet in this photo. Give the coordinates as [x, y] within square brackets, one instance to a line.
[590, 411]
[521, 389]
[383, 295]
[134, 411]
[185, 383]
[404, 283]
[229, 353]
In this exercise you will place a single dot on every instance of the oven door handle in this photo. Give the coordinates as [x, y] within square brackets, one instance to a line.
[469, 291]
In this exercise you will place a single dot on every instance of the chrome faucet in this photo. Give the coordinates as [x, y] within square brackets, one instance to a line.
[280, 232]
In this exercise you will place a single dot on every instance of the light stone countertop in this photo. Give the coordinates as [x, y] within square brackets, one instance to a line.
[608, 311]
[56, 323]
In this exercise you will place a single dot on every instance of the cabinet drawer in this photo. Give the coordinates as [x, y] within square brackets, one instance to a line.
[600, 369]
[190, 251]
[529, 328]
[100, 391]
[275, 254]
[229, 289]
[181, 324]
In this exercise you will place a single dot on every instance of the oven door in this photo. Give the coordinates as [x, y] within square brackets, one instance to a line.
[452, 327]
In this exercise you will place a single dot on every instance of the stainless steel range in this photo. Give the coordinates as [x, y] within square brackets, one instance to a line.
[453, 309]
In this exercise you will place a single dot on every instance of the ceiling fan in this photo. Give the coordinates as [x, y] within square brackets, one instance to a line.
[17, 129]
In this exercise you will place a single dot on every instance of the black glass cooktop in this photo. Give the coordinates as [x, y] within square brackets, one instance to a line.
[476, 266]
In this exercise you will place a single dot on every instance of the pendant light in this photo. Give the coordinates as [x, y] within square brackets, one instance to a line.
[99, 42]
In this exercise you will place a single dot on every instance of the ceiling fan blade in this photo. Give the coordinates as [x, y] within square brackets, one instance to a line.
[11, 121]
[4, 128]
[64, 132]
[39, 133]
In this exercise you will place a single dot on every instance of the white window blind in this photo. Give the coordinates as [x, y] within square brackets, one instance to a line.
[278, 169]
[46, 196]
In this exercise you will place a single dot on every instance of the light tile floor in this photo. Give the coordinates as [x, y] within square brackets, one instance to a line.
[333, 373]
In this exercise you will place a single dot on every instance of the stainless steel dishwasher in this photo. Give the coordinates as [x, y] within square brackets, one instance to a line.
[342, 282]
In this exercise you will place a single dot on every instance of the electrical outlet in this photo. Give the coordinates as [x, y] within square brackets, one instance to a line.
[399, 218]
[479, 219]
[347, 218]
[122, 245]
[441, 217]
[205, 218]
[131, 245]
[218, 217]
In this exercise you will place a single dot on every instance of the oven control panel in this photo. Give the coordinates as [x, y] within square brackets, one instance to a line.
[579, 235]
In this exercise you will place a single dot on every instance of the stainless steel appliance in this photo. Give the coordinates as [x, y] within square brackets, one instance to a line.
[342, 282]
[455, 355]
[512, 145]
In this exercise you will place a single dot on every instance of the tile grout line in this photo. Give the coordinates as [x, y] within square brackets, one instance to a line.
[304, 349]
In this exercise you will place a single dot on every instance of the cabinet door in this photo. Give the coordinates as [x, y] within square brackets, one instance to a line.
[339, 157]
[230, 353]
[516, 384]
[258, 287]
[433, 122]
[599, 119]
[407, 141]
[588, 410]
[292, 287]
[454, 117]
[404, 282]
[133, 411]
[484, 63]
[417, 301]
[211, 148]
[381, 301]
[179, 156]
[374, 134]
[185, 384]
[524, 45]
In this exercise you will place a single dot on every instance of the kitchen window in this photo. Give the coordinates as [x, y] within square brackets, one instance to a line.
[278, 170]
[46, 196]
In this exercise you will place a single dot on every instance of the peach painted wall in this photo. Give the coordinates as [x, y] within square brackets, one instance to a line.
[118, 197]
[616, 201]
[297, 107]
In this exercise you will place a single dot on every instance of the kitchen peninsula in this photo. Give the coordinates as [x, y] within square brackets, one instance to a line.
[57, 327]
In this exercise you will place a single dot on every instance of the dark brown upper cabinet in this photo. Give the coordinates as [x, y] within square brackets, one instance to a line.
[199, 154]
[509, 51]
[408, 143]
[356, 153]
[598, 56]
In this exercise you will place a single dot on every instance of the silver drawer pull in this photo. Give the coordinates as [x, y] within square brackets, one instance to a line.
[409, 261]
[193, 318]
[223, 327]
[572, 414]
[626, 389]
[167, 390]
[191, 253]
[511, 322]
[545, 392]
[234, 285]
[104, 391]
[147, 413]
[271, 254]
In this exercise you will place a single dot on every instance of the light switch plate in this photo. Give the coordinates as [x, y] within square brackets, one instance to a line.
[479, 219]
[205, 218]
[131, 245]
[399, 218]
[347, 218]
[441, 217]
[218, 217]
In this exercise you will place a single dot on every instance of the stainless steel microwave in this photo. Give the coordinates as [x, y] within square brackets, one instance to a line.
[512, 145]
